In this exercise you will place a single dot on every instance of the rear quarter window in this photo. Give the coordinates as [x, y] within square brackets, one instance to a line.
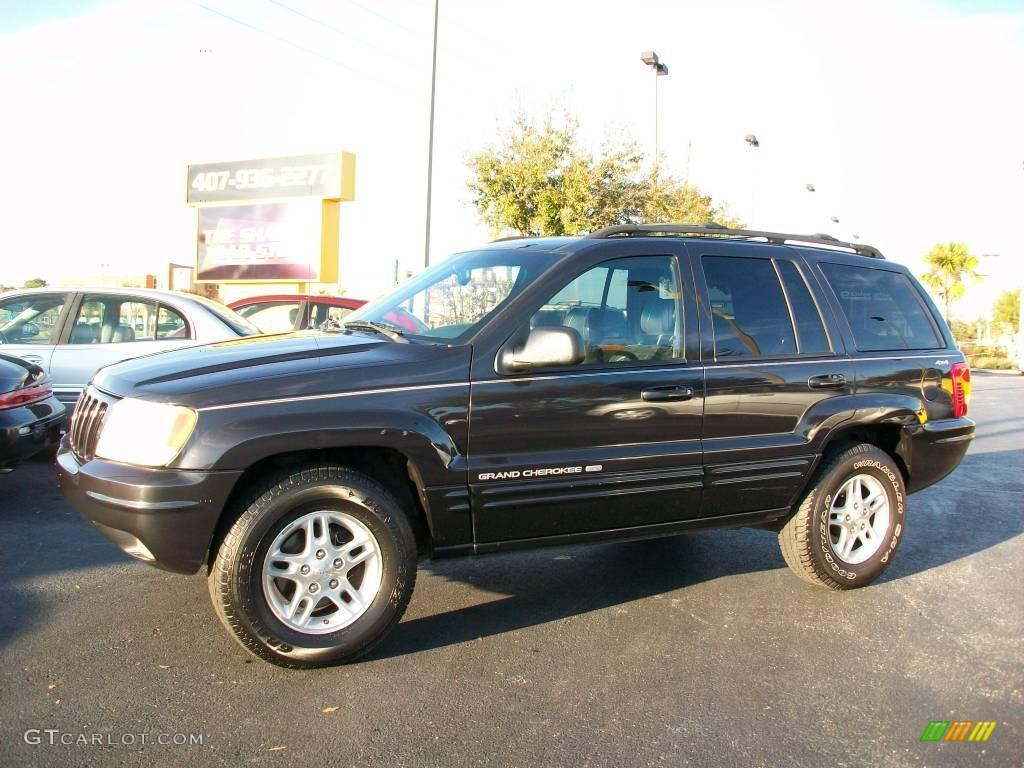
[884, 309]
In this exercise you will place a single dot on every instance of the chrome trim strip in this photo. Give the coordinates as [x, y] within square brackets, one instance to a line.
[138, 505]
[328, 396]
[695, 366]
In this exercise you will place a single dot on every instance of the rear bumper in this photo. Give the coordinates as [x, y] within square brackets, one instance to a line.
[934, 449]
[165, 517]
[29, 429]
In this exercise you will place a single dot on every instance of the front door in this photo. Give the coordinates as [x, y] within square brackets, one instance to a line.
[30, 325]
[613, 442]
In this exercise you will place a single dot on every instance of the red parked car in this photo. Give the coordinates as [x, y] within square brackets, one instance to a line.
[290, 312]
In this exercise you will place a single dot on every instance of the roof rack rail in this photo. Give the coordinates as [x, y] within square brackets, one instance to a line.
[714, 229]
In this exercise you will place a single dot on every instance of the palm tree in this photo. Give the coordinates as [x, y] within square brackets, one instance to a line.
[950, 264]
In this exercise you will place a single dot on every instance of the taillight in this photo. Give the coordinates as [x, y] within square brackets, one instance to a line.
[961, 376]
[25, 395]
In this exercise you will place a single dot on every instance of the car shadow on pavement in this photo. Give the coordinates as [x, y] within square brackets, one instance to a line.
[43, 537]
[543, 586]
[548, 585]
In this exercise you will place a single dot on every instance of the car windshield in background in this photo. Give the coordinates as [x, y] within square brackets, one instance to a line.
[229, 317]
[449, 301]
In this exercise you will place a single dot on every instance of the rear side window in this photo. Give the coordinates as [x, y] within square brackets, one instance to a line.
[883, 308]
[809, 328]
[751, 318]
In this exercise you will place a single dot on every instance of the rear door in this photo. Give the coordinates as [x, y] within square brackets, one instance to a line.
[30, 325]
[774, 370]
[613, 442]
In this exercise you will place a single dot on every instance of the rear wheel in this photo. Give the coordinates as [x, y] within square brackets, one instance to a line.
[849, 523]
[316, 570]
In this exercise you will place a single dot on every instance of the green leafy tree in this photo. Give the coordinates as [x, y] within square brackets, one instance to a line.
[950, 265]
[538, 180]
[35, 282]
[1006, 311]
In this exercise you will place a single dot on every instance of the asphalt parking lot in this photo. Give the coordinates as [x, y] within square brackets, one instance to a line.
[698, 650]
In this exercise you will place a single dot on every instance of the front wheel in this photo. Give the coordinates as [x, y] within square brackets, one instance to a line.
[847, 527]
[316, 570]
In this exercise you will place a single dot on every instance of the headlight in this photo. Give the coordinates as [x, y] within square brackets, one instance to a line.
[145, 433]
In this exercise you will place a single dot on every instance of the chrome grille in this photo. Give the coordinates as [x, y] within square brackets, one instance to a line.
[86, 422]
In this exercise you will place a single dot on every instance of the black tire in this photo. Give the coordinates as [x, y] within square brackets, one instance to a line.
[806, 538]
[235, 579]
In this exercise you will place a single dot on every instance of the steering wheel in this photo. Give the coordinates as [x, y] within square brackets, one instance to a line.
[621, 355]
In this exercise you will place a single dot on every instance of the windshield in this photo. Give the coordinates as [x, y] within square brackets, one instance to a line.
[450, 300]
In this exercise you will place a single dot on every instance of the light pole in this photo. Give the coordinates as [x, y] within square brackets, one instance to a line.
[650, 58]
[753, 142]
[430, 144]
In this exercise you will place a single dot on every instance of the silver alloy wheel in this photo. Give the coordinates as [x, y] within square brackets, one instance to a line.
[859, 519]
[322, 572]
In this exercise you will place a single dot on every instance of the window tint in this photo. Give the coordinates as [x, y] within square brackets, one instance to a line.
[809, 328]
[626, 310]
[884, 309]
[750, 315]
[114, 320]
[30, 320]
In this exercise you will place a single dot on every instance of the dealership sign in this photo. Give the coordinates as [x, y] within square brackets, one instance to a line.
[272, 241]
[269, 220]
[320, 176]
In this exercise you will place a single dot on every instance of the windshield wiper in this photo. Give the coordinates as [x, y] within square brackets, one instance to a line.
[393, 332]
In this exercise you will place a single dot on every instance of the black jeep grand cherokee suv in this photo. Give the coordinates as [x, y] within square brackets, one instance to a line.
[642, 381]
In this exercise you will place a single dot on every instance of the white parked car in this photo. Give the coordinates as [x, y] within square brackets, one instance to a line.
[72, 333]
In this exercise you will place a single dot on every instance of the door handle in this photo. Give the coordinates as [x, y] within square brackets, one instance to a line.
[35, 359]
[827, 381]
[663, 394]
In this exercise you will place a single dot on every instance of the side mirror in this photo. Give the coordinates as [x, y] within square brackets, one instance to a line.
[544, 347]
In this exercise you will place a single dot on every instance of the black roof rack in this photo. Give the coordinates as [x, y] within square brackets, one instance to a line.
[714, 229]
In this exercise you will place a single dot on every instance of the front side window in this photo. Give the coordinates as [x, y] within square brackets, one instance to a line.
[626, 310]
[883, 308]
[749, 311]
[30, 319]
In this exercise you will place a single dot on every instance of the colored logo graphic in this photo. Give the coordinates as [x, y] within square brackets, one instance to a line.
[958, 730]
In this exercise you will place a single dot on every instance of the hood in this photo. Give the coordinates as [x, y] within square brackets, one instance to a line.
[282, 365]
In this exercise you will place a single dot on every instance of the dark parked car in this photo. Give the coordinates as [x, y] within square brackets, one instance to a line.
[281, 313]
[641, 381]
[31, 418]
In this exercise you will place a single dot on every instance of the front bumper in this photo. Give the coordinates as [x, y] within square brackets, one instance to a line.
[166, 517]
[29, 429]
[934, 449]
